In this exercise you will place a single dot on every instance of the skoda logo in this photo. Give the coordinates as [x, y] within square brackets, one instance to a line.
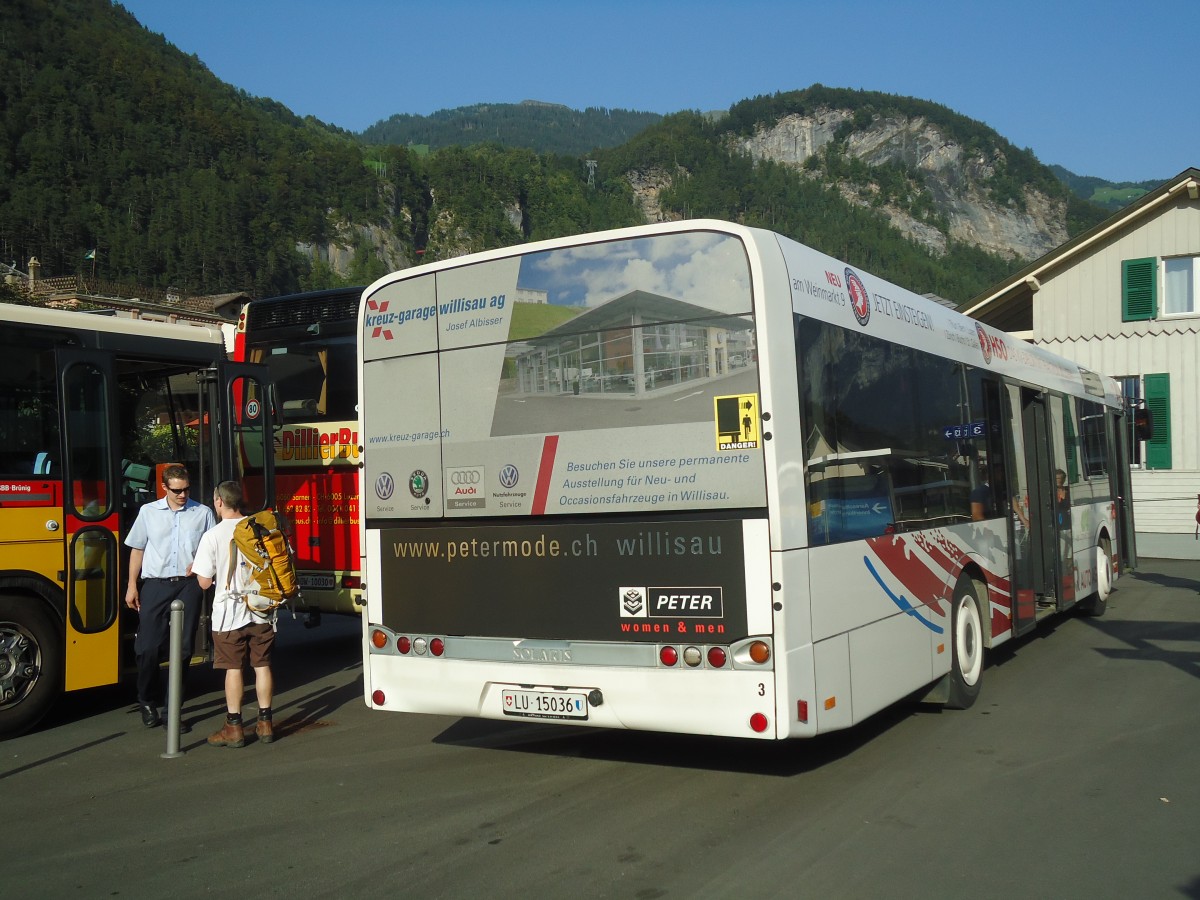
[384, 485]
[418, 484]
[464, 476]
[509, 476]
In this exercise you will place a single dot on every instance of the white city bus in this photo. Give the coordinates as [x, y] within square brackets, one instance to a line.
[697, 477]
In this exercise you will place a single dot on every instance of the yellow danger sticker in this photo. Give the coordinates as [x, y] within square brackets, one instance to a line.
[736, 418]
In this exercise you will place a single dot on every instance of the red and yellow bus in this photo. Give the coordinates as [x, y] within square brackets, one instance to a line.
[307, 343]
[92, 407]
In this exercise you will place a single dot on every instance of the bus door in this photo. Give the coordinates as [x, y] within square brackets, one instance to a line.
[91, 517]
[1122, 490]
[1033, 533]
[245, 417]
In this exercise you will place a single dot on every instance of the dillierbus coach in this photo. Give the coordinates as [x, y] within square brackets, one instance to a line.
[307, 342]
[697, 477]
[92, 408]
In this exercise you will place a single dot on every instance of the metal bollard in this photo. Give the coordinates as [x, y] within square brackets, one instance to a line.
[175, 681]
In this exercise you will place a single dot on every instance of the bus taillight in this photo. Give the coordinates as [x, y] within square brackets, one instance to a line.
[377, 698]
[378, 639]
[717, 657]
[668, 656]
[351, 582]
[437, 646]
[760, 652]
[758, 723]
[692, 656]
[403, 644]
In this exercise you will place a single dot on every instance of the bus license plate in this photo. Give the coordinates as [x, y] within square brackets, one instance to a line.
[545, 705]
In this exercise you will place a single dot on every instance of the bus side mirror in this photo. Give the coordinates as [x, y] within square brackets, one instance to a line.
[1143, 424]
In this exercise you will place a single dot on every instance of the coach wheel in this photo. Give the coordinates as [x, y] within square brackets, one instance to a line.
[966, 669]
[30, 663]
[1098, 602]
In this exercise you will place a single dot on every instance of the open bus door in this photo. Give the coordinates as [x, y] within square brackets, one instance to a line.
[247, 413]
[1121, 430]
[91, 516]
[1032, 524]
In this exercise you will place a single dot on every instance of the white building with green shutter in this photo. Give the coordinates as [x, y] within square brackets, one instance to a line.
[1122, 299]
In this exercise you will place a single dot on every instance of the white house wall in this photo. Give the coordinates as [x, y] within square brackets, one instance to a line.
[1077, 313]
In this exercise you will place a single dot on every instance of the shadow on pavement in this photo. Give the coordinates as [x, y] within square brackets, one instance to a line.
[778, 759]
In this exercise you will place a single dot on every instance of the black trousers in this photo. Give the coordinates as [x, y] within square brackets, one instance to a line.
[152, 645]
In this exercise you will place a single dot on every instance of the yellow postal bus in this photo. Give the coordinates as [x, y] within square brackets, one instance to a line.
[91, 409]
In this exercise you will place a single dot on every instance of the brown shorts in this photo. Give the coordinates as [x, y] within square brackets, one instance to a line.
[250, 643]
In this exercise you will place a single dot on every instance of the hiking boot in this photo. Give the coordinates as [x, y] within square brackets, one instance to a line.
[265, 730]
[228, 736]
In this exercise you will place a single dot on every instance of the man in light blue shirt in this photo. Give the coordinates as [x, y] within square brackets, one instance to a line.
[163, 543]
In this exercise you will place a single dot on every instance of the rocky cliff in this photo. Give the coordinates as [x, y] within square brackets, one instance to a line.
[957, 181]
[953, 183]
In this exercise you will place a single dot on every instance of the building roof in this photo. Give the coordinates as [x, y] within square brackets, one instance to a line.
[648, 308]
[1009, 304]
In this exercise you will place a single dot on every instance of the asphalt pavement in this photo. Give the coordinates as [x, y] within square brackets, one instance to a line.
[1074, 775]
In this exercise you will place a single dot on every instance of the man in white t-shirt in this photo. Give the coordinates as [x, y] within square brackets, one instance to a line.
[240, 637]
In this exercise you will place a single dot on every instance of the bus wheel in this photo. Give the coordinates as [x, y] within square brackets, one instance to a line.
[966, 667]
[31, 663]
[1097, 603]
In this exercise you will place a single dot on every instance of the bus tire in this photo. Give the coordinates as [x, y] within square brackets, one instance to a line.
[1097, 603]
[31, 663]
[966, 641]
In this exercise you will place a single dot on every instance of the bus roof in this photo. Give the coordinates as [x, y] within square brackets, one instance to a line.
[334, 307]
[76, 320]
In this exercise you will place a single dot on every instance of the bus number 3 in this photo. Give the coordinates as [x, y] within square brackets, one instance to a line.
[762, 689]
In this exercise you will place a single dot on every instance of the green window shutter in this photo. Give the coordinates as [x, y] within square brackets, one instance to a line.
[1139, 289]
[1158, 401]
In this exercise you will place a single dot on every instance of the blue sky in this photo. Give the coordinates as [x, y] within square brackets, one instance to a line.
[1099, 87]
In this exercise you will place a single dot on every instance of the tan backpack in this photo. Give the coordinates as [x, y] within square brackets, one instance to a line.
[262, 543]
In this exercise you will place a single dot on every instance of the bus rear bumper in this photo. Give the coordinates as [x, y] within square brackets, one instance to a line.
[728, 703]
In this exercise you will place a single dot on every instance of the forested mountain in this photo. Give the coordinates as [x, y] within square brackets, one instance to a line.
[542, 127]
[113, 140]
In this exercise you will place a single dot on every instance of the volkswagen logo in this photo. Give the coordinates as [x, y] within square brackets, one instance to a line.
[418, 484]
[384, 485]
[464, 476]
[509, 476]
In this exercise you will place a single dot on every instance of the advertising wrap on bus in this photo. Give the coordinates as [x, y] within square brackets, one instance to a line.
[697, 477]
[549, 397]
[826, 289]
[599, 581]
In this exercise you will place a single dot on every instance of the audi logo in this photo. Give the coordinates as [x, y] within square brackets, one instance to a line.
[464, 477]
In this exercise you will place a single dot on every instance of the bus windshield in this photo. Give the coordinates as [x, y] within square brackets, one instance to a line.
[314, 378]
